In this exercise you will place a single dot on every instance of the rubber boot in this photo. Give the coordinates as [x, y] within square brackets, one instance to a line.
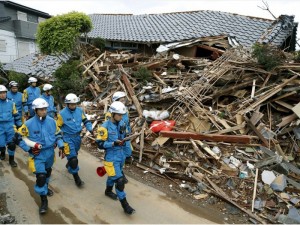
[44, 204]
[67, 165]
[109, 193]
[50, 192]
[77, 179]
[2, 154]
[127, 208]
[12, 161]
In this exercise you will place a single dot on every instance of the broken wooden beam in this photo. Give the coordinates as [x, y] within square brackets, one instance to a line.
[131, 91]
[209, 137]
[261, 137]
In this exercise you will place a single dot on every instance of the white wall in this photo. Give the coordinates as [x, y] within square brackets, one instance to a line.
[10, 53]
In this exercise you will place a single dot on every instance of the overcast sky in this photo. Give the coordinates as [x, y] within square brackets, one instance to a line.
[243, 7]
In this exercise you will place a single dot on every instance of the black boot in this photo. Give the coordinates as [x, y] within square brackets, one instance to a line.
[2, 154]
[67, 165]
[12, 161]
[77, 179]
[127, 208]
[109, 193]
[44, 204]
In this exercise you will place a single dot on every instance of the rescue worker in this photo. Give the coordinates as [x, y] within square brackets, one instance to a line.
[15, 96]
[51, 111]
[110, 137]
[69, 120]
[42, 130]
[29, 95]
[121, 97]
[9, 118]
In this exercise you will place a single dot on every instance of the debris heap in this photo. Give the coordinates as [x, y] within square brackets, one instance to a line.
[226, 127]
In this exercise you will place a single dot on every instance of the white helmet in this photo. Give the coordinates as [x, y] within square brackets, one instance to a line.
[13, 84]
[117, 95]
[71, 98]
[32, 80]
[117, 107]
[2, 88]
[39, 103]
[47, 87]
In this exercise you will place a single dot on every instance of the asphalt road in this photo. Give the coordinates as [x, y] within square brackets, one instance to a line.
[69, 204]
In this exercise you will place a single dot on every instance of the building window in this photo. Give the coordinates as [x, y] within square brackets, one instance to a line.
[2, 46]
[22, 16]
[41, 19]
[23, 48]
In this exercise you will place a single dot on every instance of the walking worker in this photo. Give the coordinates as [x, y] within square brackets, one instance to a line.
[121, 97]
[15, 96]
[69, 120]
[51, 111]
[110, 137]
[29, 95]
[9, 118]
[43, 131]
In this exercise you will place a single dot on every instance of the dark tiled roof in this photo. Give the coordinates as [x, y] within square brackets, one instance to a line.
[36, 65]
[171, 27]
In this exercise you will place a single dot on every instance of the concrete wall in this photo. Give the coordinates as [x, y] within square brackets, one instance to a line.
[11, 52]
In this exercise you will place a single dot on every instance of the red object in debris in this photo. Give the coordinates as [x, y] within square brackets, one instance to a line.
[101, 171]
[166, 125]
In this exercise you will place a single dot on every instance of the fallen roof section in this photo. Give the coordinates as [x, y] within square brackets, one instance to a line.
[173, 27]
[41, 66]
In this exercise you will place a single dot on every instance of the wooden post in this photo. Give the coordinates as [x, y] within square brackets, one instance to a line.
[254, 190]
[142, 142]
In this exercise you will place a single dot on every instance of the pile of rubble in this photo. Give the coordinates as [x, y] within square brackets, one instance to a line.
[225, 127]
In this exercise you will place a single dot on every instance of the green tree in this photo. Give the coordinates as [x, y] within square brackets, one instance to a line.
[68, 80]
[60, 34]
[20, 78]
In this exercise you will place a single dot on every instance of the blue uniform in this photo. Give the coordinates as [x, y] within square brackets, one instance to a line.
[114, 158]
[46, 133]
[69, 122]
[29, 95]
[51, 110]
[16, 97]
[125, 119]
[9, 117]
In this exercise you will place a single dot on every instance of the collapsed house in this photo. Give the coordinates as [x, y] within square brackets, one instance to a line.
[144, 33]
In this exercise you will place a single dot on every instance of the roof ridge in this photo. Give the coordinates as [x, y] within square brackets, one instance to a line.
[181, 12]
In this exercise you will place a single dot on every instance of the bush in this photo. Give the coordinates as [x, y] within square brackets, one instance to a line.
[267, 55]
[143, 75]
[21, 78]
[68, 79]
[99, 43]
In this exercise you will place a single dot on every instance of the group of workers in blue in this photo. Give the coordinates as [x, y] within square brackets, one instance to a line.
[30, 120]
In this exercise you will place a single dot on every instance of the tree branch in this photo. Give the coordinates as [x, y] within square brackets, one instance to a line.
[267, 8]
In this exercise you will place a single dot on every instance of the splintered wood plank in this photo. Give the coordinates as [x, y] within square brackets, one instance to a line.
[209, 137]
[256, 116]
[286, 120]
[160, 141]
[296, 109]
[199, 125]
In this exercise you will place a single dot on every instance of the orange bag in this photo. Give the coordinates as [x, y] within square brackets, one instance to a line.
[166, 125]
